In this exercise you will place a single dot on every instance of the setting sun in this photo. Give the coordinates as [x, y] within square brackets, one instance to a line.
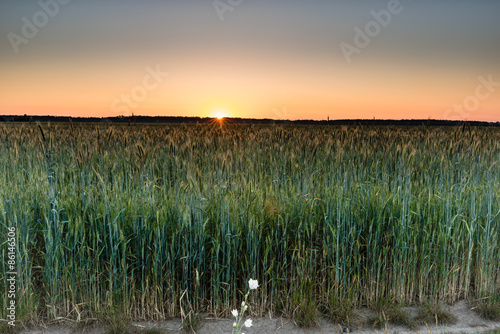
[220, 114]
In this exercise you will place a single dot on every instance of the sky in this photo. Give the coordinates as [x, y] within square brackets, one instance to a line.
[281, 59]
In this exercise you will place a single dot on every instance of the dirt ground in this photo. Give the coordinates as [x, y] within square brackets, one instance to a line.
[468, 322]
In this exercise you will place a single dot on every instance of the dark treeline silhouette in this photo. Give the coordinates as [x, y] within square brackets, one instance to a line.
[206, 120]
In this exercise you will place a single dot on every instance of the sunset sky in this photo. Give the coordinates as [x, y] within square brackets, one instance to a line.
[282, 59]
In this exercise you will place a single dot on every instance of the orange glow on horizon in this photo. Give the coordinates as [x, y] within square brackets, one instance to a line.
[355, 93]
[220, 114]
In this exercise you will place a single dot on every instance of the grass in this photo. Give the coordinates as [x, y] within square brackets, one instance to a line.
[379, 321]
[435, 313]
[489, 308]
[7, 329]
[398, 316]
[389, 312]
[305, 313]
[343, 311]
[142, 215]
[489, 311]
[115, 321]
[190, 322]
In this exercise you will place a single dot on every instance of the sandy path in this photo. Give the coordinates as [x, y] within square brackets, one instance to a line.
[468, 322]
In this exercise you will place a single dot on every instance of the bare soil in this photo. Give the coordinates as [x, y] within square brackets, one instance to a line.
[468, 322]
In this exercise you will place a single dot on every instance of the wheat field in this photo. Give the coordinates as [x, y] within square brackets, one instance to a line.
[162, 219]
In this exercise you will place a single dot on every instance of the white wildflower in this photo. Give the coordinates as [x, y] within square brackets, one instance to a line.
[253, 284]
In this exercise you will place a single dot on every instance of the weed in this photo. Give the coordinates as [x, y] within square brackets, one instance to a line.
[489, 308]
[190, 322]
[306, 312]
[343, 311]
[434, 313]
[8, 329]
[388, 312]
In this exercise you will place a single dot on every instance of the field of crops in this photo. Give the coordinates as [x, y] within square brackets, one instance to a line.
[156, 218]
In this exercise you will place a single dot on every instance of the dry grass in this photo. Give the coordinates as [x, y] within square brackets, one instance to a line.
[434, 313]
[489, 308]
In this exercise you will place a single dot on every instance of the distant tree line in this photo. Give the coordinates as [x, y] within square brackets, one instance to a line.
[207, 120]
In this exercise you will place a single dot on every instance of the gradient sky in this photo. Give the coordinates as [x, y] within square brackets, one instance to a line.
[267, 59]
